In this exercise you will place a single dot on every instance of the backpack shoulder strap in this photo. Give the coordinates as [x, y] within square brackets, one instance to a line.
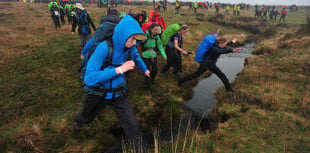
[83, 18]
[108, 60]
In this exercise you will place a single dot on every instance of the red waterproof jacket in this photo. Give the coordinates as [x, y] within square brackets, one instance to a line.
[158, 19]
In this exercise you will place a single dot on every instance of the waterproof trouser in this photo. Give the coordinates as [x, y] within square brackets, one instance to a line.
[203, 68]
[174, 60]
[122, 107]
[177, 10]
[56, 21]
[152, 66]
[84, 39]
[69, 19]
[62, 18]
[282, 18]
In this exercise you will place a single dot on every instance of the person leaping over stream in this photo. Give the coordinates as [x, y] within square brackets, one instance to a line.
[208, 52]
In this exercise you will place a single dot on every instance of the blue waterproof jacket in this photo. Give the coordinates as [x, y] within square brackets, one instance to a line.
[108, 77]
[207, 42]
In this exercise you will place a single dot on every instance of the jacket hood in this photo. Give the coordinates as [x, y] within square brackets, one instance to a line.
[127, 27]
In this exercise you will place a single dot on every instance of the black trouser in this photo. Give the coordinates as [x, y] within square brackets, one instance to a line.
[174, 60]
[151, 64]
[69, 19]
[202, 68]
[56, 21]
[62, 18]
[177, 10]
[282, 17]
[121, 106]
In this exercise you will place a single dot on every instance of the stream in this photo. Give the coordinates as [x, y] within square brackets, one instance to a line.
[204, 100]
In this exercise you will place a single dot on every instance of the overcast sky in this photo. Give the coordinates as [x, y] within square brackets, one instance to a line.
[266, 2]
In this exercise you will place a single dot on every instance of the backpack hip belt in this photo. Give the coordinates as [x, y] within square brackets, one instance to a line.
[122, 91]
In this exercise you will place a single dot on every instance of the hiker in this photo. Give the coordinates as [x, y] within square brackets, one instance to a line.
[238, 10]
[159, 5]
[205, 5]
[164, 5]
[217, 8]
[257, 13]
[265, 12]
[271, 15]
[195, 6]
[72, 13]
[112, 17]
[227, 9]
[207, 54]
[174, 50]
[190, 6]
[83, 20]
[108, 80]
[276, 13]
[177, 6]
[55, 14]
[68, 13]
[234, 10]
[62, 15]
[156, 17]
[149, 54]
[283, 14]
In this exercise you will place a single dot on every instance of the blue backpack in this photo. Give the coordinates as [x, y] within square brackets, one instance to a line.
[204, 47]
[103, 33]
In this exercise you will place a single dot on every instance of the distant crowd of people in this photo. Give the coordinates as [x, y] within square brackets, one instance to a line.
[272, 12]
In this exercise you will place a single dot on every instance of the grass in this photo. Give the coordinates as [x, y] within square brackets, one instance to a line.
[41, 92]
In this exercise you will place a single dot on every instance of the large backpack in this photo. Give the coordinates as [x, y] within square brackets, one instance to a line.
[204, 46]
[170, 31]
[146, 26]
[103, 33]
[83, 22]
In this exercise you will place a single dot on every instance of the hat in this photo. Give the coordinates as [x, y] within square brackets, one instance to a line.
[113, 12]
[79, 6]
[139, 37]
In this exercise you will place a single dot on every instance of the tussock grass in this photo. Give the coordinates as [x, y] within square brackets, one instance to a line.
[303, 42]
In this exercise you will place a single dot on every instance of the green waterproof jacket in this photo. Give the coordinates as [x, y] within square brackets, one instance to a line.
[150, 44]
